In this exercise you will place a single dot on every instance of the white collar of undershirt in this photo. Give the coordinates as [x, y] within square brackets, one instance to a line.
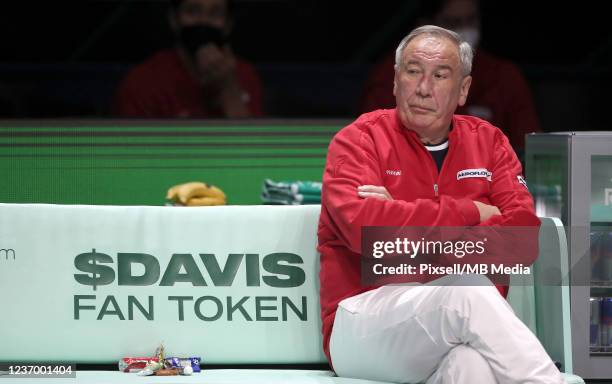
[438, 147]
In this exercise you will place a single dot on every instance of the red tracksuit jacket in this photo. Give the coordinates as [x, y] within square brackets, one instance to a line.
[377, 150]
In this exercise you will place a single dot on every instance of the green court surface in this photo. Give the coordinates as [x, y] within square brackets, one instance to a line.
[135, 162]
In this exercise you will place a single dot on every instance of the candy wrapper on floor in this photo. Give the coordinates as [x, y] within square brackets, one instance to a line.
[167, 372]
[195, 363]
[151, 368]
[135, 364]
[182, 362]
[160, 365]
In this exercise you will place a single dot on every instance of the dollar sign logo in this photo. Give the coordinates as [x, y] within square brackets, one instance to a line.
[96, 274]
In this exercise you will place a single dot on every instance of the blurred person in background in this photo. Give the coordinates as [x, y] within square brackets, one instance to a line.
[499, 93]
[200, 77]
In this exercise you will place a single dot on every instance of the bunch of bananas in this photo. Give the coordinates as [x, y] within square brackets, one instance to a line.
[194, 194]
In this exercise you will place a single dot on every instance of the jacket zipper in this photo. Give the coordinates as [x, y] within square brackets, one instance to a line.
[436, 174]
[436, 185]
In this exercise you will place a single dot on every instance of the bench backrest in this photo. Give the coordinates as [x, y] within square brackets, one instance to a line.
[235, 284]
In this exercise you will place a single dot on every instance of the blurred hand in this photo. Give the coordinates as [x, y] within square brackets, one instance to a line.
[373, 191]
[486, 210]
[216, 66]
[217, 69]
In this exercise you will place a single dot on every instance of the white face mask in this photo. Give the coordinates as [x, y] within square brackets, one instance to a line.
[470, 34]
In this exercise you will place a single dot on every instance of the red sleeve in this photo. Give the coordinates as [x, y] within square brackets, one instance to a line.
[510, 238]
[509, 193]
[521, 114]
[516, 242]
[251, 83]
[134, 98]
[352, 162]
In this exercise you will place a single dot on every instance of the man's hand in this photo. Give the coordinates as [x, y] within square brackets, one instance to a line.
[373, 191]
[217, 69]
[486, 210]
[215, 66]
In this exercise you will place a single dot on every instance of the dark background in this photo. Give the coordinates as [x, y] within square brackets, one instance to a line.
[64, 59]
[544, 33]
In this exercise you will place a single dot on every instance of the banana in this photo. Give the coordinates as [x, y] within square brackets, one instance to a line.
[184, 192]
[214, 192]
[200, 201]
[197, 189]
[188, 190]
[172, 193]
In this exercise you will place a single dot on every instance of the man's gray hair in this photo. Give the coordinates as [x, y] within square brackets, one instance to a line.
[466, 54]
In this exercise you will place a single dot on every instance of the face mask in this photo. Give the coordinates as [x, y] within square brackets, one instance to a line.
[195, 36]
[470, 34]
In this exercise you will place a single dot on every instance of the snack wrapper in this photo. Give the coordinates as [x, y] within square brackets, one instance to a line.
[135, 364]
[195, 363]
[181, 362]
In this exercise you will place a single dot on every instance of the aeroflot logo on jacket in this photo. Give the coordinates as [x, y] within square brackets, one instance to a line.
[477, 172]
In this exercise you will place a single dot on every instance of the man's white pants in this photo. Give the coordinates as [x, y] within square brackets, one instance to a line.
[458, 329]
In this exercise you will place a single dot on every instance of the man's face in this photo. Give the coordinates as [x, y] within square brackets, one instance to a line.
[463, 17]
[429, 85]
[458, 14]
[202, 12]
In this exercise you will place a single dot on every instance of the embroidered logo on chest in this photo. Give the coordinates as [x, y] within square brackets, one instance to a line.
[476, 172]
[393, 172]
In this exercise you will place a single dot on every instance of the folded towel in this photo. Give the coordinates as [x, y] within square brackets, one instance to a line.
[285, 199]
[295, 187]
[291, 192]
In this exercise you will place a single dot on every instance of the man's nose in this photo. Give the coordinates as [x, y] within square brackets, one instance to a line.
[424, 86]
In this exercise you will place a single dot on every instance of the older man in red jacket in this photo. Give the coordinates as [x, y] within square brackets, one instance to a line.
[499, 92]
[421, 165]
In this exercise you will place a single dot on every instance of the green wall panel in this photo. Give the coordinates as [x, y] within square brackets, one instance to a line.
[134, 163]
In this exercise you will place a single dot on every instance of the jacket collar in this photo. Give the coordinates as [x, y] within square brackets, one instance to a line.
[412, 135]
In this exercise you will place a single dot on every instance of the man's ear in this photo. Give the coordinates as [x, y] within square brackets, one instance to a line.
[395, 67]
[465, 88]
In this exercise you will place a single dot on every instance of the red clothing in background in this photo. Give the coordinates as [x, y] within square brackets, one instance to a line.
[163, 87]
[377, 150]
[498, 94]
